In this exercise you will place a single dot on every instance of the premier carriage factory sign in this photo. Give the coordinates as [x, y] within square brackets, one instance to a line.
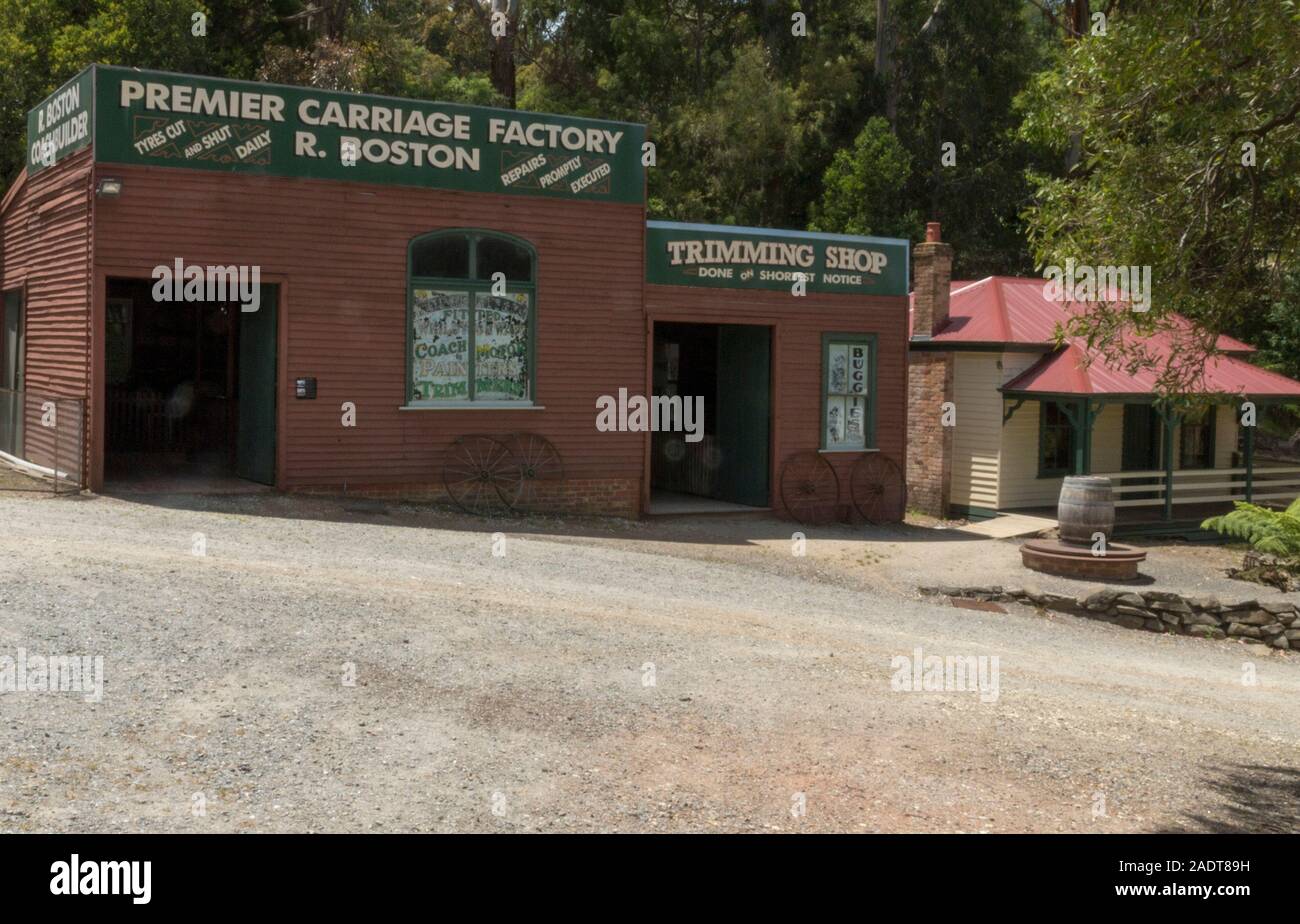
[757, 258]
[174, 120]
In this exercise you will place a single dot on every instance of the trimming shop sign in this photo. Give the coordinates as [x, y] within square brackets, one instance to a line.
[758, 258]
[175, 120]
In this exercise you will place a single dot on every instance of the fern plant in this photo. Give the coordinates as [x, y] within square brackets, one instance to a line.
[1274, 532]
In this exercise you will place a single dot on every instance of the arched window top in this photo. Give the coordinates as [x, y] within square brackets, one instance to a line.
[472, 255]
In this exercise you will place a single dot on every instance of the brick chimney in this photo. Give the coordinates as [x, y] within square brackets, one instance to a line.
[931, 276]
[929, 380]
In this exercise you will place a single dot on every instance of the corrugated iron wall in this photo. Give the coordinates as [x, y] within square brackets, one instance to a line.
[798, 324]
[45, 246]
[339, 252]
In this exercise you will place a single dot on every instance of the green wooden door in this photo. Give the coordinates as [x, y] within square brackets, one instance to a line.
[744, 413]
[1141, 450]
[258, 339]
[11, 373]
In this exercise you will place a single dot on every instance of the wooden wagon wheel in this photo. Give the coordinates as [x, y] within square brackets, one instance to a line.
[481, 475]
[810, 488]
[878, 489]
[538, 461]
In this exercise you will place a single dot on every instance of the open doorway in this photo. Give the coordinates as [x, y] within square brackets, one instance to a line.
[729, 367]
[189, 390]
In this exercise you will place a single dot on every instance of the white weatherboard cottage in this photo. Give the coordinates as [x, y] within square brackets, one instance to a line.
[1029, 412]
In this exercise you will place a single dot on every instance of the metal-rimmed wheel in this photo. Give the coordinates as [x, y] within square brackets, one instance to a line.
[878, 489]
[481, 475]
[539, 462]
[810, 489]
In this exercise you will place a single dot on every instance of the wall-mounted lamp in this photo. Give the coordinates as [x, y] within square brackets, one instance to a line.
[108, 187]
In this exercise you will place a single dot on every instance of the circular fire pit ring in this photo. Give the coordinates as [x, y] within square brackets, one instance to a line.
[1051, 556]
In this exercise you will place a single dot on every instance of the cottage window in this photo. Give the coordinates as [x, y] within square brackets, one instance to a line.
[848, 392]
[1196, 443]
[472, 319]
[1055, 440]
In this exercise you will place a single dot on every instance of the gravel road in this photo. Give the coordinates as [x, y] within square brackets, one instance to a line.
[595, 676]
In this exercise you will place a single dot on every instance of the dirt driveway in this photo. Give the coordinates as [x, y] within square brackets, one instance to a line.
[593, 676]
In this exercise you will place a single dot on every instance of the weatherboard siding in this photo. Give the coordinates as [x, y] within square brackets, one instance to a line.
[798, 323]
[1225, 436]
[339, 252]
[1108, 439]
[976, 442]
[45, 236]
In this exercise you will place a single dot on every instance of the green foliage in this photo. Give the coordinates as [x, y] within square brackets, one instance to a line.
[958, 85]
[45, 42]
[1161, 109]
[1275, 532]
[863, 189]
[736, 147]
[1278, 331]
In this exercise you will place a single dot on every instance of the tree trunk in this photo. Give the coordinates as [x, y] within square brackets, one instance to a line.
[886, 42]
[501, 59]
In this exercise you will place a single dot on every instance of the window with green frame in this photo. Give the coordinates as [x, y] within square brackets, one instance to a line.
[848, 392]
[1055, 440]
[471, 318]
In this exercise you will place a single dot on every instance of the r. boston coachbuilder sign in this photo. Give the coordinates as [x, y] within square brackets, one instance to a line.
[758, 258]
[173, 120]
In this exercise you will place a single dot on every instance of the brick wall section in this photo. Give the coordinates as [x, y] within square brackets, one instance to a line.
[618, 497]
[929, 443]
[929, 381]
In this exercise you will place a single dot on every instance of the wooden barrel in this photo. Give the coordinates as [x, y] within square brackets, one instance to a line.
[1087, 506]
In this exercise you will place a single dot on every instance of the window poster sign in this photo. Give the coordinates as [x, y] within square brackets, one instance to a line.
[440, 345]
[846, 396]
[501, 347]
[204, 123]
[758, 258]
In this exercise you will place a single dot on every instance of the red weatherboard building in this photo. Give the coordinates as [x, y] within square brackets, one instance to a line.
[428, 299]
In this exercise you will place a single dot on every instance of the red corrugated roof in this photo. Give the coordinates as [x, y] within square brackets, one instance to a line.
[1005, 311]
[1014, 309]
[1065, 372]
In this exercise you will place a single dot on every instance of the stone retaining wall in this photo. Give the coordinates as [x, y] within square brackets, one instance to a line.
[1274, 622]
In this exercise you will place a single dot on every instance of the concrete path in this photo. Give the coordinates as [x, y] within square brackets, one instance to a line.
[1008, 526]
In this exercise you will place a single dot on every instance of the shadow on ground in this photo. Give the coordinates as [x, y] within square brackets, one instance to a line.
[1256, 799]
[713, 529]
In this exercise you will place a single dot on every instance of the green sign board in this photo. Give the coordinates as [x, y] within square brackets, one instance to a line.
[62, 124]
[203, 123]
[757, 258]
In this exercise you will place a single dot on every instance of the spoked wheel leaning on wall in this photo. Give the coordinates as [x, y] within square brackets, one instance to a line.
[810, 489]
[481, 475]
[878, 489]
[539, 462]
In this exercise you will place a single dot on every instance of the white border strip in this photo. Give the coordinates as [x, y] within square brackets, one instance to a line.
[31, 468]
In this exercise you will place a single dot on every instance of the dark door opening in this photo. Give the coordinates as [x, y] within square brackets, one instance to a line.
[1140, 449]
[729, 367]
[11, 374]
[190, 386]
